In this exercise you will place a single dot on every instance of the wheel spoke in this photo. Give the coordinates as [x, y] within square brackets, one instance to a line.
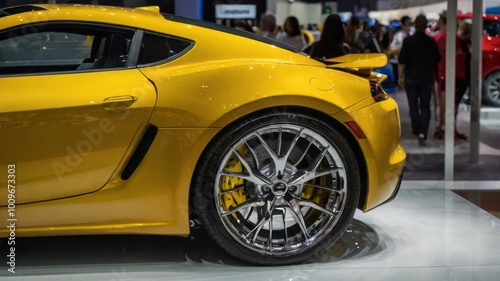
[283, 217]
[290, 149]
[310, 173]
[254, 232]
[228, 191]
[313, 205]
[264, 218]
[494, 89]
[329, 188]
[269, 151]
[496, 83]
[303, 154]
[254, 155]
[253, 175]
[280, 161]
[495, 93]
[494, 86]
[243, 220]
[325, 172]
[297, 216]
[270, 239]
[280, 140]
[253, 202]
[260, 180]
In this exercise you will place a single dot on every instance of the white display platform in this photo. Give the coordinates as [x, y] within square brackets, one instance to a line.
[427, 233]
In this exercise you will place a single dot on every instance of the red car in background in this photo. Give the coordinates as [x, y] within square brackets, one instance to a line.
[491, 57]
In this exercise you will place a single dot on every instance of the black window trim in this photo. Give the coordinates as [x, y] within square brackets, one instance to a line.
[171, 58]
[230, 30]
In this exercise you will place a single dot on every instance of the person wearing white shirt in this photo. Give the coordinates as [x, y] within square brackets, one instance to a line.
[268, 25]
[291, 33]
[397, 43]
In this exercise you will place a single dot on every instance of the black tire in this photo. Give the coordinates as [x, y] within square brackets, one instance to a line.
[491, 89]
[301, 199]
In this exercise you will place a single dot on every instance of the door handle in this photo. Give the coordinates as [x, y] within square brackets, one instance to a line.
[118, 103]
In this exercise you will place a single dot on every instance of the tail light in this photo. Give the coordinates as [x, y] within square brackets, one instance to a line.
[378, 93]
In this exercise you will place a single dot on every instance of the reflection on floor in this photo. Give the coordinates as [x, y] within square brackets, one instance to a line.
[427, 233]
[488, 200]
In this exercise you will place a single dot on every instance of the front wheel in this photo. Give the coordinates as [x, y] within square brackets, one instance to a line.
[491, 89]
[277, 189]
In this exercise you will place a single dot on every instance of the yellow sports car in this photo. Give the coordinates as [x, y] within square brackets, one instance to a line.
[129, 121]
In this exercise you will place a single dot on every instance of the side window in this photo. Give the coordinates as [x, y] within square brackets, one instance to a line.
[157, 47]
[62, 47]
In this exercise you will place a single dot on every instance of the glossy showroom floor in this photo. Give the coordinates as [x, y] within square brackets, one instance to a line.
[433, 230]
[427, 233]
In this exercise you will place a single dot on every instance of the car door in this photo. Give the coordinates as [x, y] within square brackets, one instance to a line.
[71, 104]
[491, 46]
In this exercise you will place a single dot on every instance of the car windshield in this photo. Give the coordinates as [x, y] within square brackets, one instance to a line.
[491, 28]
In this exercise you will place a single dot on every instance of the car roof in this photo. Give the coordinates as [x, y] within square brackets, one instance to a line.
[18, 9]
[147, 18]
[83, 12]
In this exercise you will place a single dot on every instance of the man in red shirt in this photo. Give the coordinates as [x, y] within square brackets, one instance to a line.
[461, 83]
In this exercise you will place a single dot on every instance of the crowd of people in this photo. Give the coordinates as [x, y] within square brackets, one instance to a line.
[416, 54]
[416, 63]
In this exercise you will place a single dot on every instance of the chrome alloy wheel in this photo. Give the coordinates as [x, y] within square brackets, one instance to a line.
[280, 189]
[491, 89]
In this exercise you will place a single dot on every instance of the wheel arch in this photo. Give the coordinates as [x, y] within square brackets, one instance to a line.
[486, 78]
[300, 110]
[490, 72]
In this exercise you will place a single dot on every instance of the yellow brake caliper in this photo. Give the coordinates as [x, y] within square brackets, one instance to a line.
[317, 195]
[237, 197]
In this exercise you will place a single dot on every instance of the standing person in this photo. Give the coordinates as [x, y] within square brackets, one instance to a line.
[397, 42]
[369, 34]
[242, 24]
[417, 61]
[352, 35]
[461, 76]
[383, 36]
[332, 40]
[291, 34]
[268, 26]
[465, 33]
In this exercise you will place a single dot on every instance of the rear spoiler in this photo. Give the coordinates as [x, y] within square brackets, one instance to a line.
[360, 64]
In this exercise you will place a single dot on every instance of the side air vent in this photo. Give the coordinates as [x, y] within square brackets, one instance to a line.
[140, 152]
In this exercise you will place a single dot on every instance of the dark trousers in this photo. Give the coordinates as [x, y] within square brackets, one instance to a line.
[419, 100]
[461, 86]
